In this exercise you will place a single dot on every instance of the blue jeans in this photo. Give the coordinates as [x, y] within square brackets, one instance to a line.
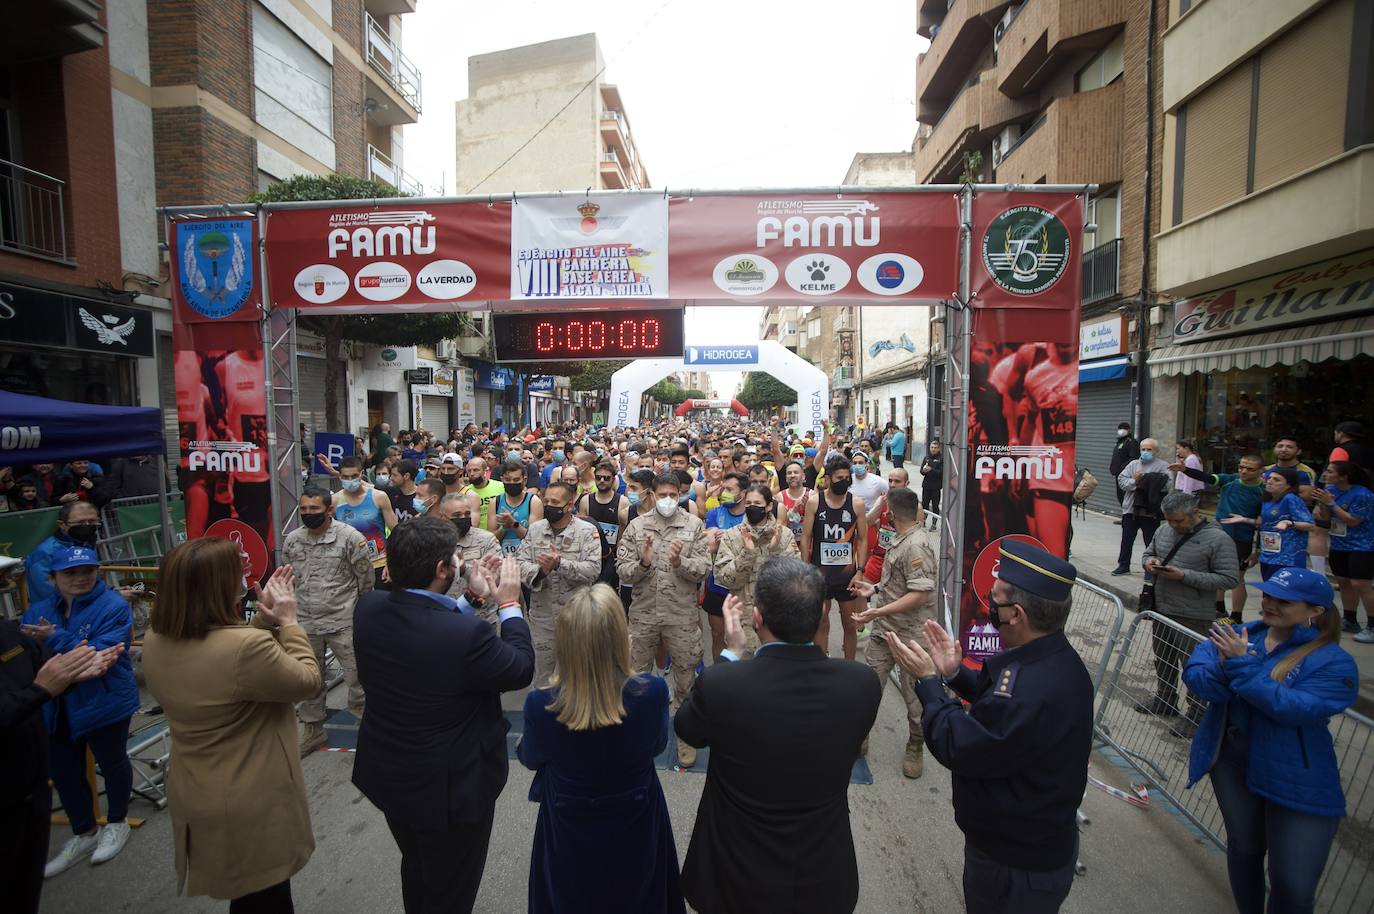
[67, 763]
[1297, 842]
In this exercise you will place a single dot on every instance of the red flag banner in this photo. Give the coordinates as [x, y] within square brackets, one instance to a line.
[1027, 250]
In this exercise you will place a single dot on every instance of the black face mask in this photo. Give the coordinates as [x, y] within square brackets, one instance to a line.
[515, 489]
[554, 513]
[314, 521]
[464, 524]
[84, 533]
[755, 514]
[449, 478]
[839, 486]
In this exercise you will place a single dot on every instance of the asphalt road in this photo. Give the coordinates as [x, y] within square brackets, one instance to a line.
[910, 852]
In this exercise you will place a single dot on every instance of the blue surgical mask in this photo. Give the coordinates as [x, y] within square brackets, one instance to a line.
[557, 456]
[633, 497]
[351, 485]
[420, 506]
[860, 469]
[1147, 456]
[383, 479]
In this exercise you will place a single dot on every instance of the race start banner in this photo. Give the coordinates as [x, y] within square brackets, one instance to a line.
[221, 382]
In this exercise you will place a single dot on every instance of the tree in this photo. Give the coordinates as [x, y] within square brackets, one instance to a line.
[392, 329]
[593, 375]
[763, 391]
[695, 394]
[667, 391]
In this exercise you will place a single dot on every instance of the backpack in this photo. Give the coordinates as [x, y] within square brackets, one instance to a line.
[1087, 485]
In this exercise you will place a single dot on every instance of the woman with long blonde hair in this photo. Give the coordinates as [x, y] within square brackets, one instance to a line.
[1272, 687]
[591, 738]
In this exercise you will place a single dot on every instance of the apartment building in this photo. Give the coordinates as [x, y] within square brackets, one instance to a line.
[1061, 92]
[1266, 243]
[781, 324]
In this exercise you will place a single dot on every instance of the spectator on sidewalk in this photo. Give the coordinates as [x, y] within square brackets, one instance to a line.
[1353, 446]
[1144, 481]
[1238, 511]
[1189, 560]
[1346, 509]
[80, 481]
[1187, 459]
[1284, 522]
[131, 477]
[1272, 687]
[78, 524]
[896, 446]
[932, 476]
[1124, 451]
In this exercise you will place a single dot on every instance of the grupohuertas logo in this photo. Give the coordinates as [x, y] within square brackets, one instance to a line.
[1026, 250]
[216, 275]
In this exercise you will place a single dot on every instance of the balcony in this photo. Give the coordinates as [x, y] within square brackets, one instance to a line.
[394, 67]
[380, 166]
[958, 39]
[1102, 272]
[1076, 141]
[44, 29]
[32, 216]
[842, 378]
[1048, 34]
[389, 7]
[613, 176]
[973, 116]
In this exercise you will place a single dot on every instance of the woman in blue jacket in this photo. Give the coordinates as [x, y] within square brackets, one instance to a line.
[603, 841]
[93, 714]
[1271, 687]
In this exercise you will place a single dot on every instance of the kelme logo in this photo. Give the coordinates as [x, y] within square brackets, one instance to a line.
[1026, 250]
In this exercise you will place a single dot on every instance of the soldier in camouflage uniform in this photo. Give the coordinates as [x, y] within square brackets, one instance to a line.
[559, 554]
[663, 557]
[474, 544]
[902, 601]
[333, 568]
[743, 550]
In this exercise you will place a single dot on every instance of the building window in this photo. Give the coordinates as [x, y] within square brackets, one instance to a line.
[1105, 68]
[293, 87]
[1104, 211]
[1269, 118]
[813, 328]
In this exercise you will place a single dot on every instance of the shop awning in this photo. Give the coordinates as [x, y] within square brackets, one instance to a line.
[1103, 370]
[1312, 343]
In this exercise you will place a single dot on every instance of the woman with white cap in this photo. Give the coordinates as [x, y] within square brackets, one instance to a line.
[1272, 687]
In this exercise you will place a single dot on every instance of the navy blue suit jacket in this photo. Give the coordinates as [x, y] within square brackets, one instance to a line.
[432, 746]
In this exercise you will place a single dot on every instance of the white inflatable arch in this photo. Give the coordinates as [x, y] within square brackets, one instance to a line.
[810, 383]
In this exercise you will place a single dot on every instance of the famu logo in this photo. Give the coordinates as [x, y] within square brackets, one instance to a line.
[1026, 250]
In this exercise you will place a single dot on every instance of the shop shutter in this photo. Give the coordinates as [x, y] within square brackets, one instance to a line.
[482, 411]
[1101, 406]
[167, 394]
[310, 395]
[434, 412]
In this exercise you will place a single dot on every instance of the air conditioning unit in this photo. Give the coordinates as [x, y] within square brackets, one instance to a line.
[446, 349]
[1001, 28]
[1002, 143]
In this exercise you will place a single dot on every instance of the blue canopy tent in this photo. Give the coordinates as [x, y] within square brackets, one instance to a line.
[39, 430]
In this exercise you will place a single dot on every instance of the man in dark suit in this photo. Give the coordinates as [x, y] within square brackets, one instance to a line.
[432, 747]
[772, 831]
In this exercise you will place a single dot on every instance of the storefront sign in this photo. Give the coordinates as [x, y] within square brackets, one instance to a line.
[1326, 291]
[440, 386]
[43, 317]
[1102, 338]
[467, 397]
[402, 357]
[540, 382]
[489, 377]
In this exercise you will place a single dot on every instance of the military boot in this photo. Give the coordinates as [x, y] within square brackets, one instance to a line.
[914, 761]
[313, 737]
[686, 755]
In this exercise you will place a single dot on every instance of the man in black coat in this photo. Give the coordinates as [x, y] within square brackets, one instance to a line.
[1124, 451]
[1018, 759]
[432, 746]
[772, 831]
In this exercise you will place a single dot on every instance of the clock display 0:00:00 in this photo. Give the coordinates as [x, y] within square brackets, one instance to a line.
[581, 335]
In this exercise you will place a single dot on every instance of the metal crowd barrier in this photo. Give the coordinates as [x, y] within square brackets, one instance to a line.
[1146, 715]
[1094, 627]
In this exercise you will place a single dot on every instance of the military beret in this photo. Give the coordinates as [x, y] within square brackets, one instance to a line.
[1035, 571]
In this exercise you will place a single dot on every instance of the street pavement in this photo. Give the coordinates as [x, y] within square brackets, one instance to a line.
[909, 850]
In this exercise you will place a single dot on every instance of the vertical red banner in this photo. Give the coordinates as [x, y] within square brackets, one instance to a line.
[221, 381]
[1023, 389]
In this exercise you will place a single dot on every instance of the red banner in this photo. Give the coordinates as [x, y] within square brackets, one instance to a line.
[1027, 251]
[221, 381]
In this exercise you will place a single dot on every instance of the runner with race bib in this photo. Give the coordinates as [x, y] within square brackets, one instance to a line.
[516, 509]
[835, 538]
[610, 512]
[881, 531]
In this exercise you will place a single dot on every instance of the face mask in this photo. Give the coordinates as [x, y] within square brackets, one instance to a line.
[420, 506]
[449, 478]
[352, 485]
[84, 533]
[727, 498]
[383, 479]
[1147, 456]
[314, 521]
[633, 497]
[479, 483]
[557, 456]
[464, 524]
[1122, 433]
[514, 489]
[839, 486]
[860, 469]
[554, 513]
[666, 507]
[996, 619]
[755, 514]
[683, 500]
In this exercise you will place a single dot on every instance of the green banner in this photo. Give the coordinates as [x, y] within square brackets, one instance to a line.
[148, 543]
[22, 531]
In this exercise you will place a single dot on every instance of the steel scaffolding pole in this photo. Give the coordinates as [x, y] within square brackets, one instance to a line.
[958, 337]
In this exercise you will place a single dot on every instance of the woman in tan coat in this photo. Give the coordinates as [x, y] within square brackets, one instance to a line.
[235, 788]
[743, 550]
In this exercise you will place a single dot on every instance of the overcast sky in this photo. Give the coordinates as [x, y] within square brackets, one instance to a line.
[719, 94]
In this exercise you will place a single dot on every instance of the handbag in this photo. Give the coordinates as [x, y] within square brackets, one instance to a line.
[1146, 600]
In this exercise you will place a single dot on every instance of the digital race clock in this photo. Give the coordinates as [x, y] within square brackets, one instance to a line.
[568, 335]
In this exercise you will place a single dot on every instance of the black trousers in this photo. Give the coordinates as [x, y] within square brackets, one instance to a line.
[441, 871]
[24, 829]
[992, 887]
[1172, 649]
[275, 899]
[930, 498]
[1130, 525]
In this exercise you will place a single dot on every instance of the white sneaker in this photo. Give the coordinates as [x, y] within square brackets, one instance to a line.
[113, 837]
[77, 848]
[1366, 636]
